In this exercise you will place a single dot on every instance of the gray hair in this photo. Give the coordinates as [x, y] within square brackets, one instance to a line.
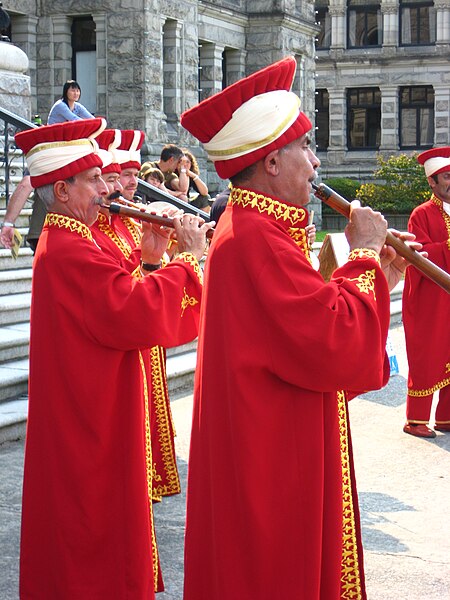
[47, 195]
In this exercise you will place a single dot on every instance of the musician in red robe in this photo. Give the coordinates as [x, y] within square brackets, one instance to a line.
[272, 509]
[87, 525]
[120, 236]
[426, 306]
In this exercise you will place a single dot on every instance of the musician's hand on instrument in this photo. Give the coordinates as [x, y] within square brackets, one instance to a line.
[393, 265]
[153, 242]
[366, 228]
[191, 234]
[310, 234]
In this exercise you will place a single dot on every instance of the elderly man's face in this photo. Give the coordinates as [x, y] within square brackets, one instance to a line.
[83, 195]
[298, 165]
[112, 181]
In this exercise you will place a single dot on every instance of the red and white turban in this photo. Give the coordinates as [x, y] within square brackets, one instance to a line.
[59, 151]
[249, 119]
[435, 161]
[108, 142]
[129, 151]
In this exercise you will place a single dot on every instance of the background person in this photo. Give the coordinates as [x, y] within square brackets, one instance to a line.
[68, 108]
[197, 190]
[272, 509]
[426, 307]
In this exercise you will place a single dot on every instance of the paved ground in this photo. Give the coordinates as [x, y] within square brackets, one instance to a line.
[404, 489]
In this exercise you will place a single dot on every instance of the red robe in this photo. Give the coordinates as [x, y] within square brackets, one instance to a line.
[426, 307]
[87, 524]
[120, 237]
[271, 500]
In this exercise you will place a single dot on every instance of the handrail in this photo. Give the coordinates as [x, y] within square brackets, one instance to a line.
[12, 123]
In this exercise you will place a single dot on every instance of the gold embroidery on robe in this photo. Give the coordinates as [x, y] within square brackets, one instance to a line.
[191, 260]
[445, 216]
[187, 301]
[263, 204]
[350, 573]
[64, 222]
[366, 282]
[298, 234]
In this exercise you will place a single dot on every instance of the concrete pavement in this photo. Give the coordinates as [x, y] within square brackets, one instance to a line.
[403, 484]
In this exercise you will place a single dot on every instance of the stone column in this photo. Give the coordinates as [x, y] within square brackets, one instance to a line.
[24, 28]
[211, 69]
[441, 115]
[338, 127]
[173, 65]
[101, 59]
[62, 51]
[338, 13]
[389, 11]
[389, 118]
[442, 21]
[235, 65]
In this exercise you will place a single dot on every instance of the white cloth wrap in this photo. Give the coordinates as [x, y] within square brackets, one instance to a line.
[432, 165]
[255, 124]
[132, 154]
[109, 155]
[51, 156]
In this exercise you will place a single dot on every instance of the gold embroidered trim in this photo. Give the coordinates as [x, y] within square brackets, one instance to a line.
[190, 259]
[149, 470]
[187, 301]
[264, 204]
[105, 227]
[350, 570]
[431, 390]
[445, 216]
[65, 222]
[366, 282]
[163, 419]
[298, 234]
[134, 228]
[67, 144]
[364, 253]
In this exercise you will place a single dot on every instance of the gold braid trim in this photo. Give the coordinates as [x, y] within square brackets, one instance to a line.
[366, 282]
[298, 234]
[431, 390]
[65, 222]
[105, 227]
[190, 259]
[445, 216]
[134, 228]
[264, 204]
[364, 253]
[163, 418]
[149, 471]
[350, 573]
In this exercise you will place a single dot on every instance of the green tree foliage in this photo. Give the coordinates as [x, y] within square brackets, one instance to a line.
[405, 185]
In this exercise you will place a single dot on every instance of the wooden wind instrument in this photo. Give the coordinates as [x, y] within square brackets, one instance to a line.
[424, 265]
[144, 215]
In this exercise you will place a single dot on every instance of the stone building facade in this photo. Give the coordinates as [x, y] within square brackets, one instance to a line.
[383, 81]
[141, 63]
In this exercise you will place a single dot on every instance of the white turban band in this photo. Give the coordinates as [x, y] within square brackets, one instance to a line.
[255, 124]
[132, 154]
[432, 165]
[110, 156]
[50, 156]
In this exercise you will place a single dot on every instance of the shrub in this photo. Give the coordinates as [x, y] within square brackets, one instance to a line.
[344, 186]
[405, 185]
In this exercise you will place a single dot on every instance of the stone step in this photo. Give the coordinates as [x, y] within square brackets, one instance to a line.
[23, 220]
[14, 341]
[15, 281]
[14, 382]
[23, 261]
[15, 308]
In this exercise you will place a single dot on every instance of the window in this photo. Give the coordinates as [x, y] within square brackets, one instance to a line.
[84, 60]
[364, 24]
[416, 117]
[363, 118]
[324, 20]
[322, 120]
[417, 23]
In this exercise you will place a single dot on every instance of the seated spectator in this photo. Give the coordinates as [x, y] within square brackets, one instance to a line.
[68, 108]
[197, 191]
[176, 183]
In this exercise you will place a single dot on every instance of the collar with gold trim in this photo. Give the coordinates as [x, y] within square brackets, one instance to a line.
[64, 222]
[286, 213]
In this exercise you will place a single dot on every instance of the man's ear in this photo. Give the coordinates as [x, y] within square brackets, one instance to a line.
[60, 190]
[272, 163]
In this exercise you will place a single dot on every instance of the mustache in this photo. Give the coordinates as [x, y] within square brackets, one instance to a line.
[114, 195]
